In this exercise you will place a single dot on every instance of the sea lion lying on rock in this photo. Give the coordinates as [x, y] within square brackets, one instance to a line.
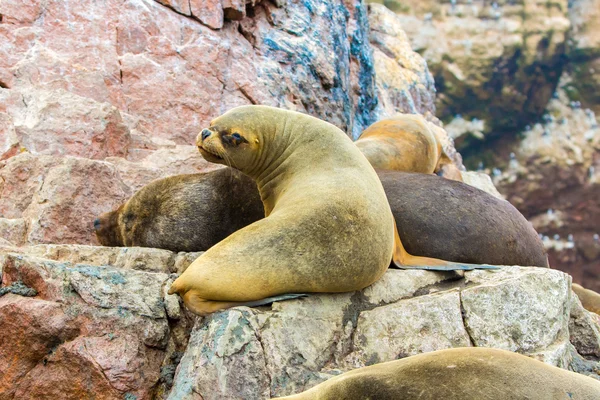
[184, 212]
[435, 217]
[328, 226]
[408, 143]
[457, 374]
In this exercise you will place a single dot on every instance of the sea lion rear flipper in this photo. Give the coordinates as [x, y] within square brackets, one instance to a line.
[403, 260]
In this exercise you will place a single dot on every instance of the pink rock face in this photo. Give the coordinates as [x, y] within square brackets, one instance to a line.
[31, 328]
[72, 195]
[209, 12]
[91, 332]
[61, 123]
[132, 83]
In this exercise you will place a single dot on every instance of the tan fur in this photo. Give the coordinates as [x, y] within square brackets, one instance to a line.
[457, 374]
[328, 225]
[408, 143]
[590, 300]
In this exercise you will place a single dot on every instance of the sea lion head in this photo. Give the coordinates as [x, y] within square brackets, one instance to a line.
[107, 228]
[242, 138]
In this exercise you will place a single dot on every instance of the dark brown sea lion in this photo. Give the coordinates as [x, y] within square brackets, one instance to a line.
[435, 217]
[441, 218]
[183, 212]
[457, 374]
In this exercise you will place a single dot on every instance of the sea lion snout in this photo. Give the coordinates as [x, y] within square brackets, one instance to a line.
[205, 134]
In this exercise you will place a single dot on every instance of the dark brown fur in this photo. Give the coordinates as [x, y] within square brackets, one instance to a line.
[441, 218]
[183, 212]
[436, 217]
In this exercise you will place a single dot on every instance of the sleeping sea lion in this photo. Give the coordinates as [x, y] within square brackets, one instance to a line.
[435, 217]
[408, 143]
[184, 212]
[328, 226]
[442, 218]
[457, 374]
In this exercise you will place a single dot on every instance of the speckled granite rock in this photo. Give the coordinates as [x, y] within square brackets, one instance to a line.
[299, 343]
[101, 315]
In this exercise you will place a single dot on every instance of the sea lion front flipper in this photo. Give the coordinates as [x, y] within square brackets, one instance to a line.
[204, 307]
[273, 299]
[448, 266]
[403, 260]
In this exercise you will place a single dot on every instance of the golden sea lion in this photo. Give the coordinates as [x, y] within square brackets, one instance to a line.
[590, 300]
[457, 374]
[408, 143]
[328, 224]
[184, 212]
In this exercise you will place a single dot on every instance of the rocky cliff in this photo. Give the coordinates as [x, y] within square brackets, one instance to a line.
[99, 98]
[96, 322]
[518, 85]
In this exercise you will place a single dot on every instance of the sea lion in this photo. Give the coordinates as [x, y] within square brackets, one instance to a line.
[435, 217]
[328, 226]
[184, 212]
[590, 300]
[442, 218]
[456, 374]
[408, 143]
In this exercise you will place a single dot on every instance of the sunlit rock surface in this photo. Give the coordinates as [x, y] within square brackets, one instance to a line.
[98, 99]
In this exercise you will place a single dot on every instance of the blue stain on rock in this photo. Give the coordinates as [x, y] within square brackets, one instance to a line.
[317, 62]
[129, 396]
[361, 49]
[112, 277]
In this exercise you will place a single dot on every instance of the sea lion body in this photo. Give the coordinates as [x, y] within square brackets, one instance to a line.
[457, 374]
[184, 212]
[408, 143]
[328, 225]
[436, 217]
[442, 218]
[590, 300]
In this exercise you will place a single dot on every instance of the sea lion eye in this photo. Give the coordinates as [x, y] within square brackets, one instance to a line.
[236, 136]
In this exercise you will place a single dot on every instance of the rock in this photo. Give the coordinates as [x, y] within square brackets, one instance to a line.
[533, 305]
[13, 230]
[136, 258]
[90, 332]
[209, 12]
[584, 328]
[404, 83]
[31, 330]
[498, 65]
[584, 51]
[481, 181]
[409, 327]
[299, 343]
[69, 198]
[39, 117]
[552, 181]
